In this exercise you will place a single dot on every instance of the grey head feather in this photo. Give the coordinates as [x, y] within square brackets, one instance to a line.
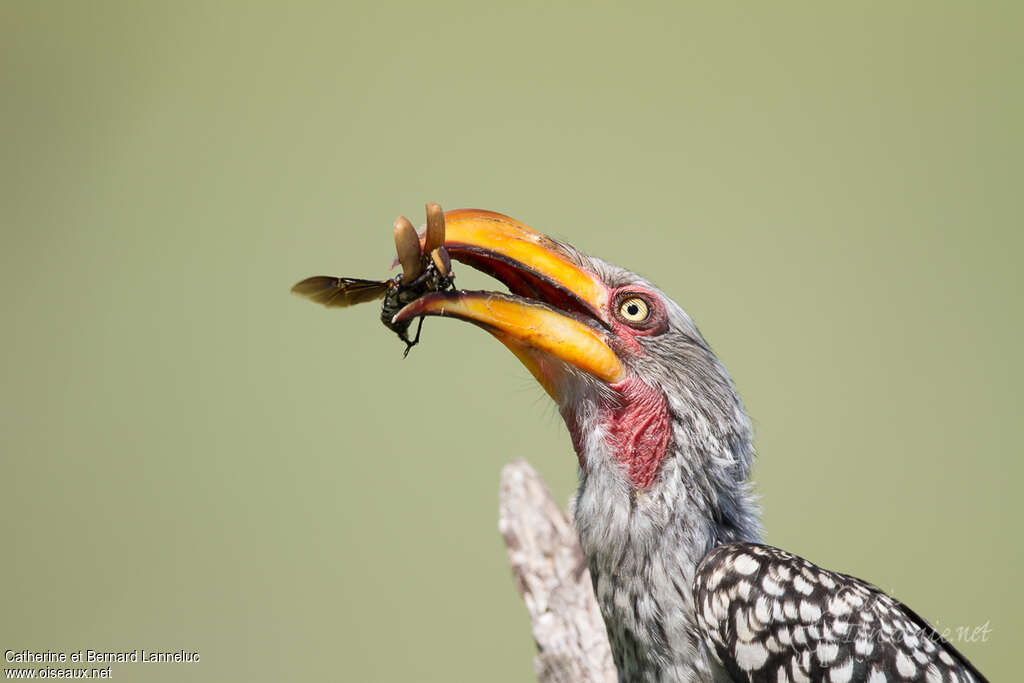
[643, 545]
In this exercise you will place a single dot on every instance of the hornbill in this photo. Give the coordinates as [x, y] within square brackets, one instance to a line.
[664, 510]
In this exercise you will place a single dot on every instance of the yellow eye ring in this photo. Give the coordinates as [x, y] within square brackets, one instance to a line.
[634, 310]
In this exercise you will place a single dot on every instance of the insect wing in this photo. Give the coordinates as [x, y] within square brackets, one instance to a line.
[339, 292]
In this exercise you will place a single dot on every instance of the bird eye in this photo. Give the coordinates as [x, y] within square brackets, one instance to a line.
[634, 310]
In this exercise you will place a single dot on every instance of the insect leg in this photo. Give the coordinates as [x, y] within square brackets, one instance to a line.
[416, 340]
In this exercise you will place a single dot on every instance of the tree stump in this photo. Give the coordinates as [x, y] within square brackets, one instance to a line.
[552, 576]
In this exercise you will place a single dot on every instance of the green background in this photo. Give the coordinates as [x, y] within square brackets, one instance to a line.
[192, 458]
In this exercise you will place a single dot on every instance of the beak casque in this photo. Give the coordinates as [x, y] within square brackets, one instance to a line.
[557, 310]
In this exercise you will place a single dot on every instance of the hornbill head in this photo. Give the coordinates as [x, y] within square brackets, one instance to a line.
[662, 438]
[650, 409]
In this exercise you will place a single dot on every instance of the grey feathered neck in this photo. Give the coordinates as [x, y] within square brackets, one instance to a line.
[643, 545]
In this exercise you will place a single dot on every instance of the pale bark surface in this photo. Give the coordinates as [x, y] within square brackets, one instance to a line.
[552, 577]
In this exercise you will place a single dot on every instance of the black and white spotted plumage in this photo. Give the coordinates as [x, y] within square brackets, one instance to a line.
[768, 615]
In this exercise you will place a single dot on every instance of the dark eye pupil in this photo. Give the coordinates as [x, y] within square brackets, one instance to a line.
[633, 309]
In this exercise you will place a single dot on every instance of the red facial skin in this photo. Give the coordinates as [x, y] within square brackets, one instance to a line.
[638, 430]
[637, 423]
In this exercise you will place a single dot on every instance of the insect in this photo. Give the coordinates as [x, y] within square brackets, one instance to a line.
[423, 270]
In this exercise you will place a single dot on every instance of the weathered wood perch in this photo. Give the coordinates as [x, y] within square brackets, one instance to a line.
[552, 576]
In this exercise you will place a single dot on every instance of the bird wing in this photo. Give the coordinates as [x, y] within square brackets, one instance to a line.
[339, 292]
[769, 615]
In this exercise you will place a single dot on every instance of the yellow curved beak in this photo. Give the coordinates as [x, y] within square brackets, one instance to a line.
[557, 310]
